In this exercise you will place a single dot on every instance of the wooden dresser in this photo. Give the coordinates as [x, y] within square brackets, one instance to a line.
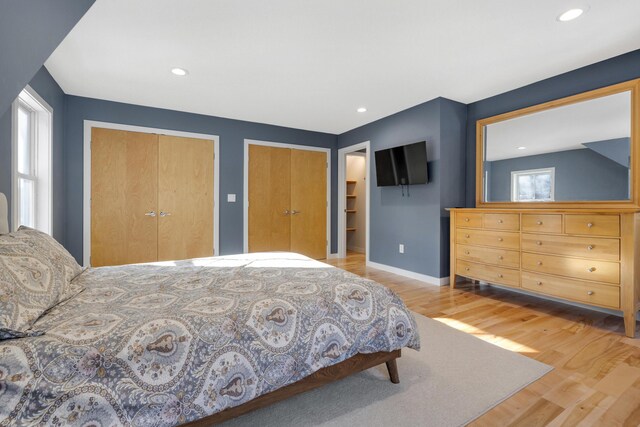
[587, 256]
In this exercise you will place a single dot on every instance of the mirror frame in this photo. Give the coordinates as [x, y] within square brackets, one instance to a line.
[633, 86]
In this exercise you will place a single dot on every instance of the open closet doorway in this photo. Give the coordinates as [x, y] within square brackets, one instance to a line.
[353, 196]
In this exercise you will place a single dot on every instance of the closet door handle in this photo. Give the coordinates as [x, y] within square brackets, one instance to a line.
[150, 213]
[286, 212]
[163, 214]
[295, 212]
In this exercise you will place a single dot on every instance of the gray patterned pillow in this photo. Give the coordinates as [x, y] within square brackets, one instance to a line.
[35, 274]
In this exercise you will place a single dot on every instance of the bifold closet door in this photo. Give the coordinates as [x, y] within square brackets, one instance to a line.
[287, 200]
[309, 203]
[124, 197]
[185, 198]
[269, 198]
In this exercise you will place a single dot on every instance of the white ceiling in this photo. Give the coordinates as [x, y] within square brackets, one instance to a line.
[310, 63]
[561, 129]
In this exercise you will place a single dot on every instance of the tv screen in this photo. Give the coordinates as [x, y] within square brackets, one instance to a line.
[404, 165]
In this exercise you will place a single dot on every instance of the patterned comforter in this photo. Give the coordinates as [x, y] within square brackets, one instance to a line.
[166, 343]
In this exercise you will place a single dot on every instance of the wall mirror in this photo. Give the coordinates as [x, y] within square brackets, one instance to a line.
[577, 150]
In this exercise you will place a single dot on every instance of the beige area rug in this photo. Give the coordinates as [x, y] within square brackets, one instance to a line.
[454, 379]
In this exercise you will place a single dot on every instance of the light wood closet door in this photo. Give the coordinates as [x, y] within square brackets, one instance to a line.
[309, 203]
[269, 198]
[185, 198]
[124, 191]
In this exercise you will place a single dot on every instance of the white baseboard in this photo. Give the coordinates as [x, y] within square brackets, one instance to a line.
[410, 274]
[332, 256]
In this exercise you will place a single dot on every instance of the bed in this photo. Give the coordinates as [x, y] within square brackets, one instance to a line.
[196, 341]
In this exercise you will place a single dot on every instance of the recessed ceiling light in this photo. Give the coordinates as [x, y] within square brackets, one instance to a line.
[570, 15]
[179, 71]
[362, 110]
[522, 148]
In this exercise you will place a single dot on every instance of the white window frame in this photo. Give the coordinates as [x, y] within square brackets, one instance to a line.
[42, 134]
[543, 171]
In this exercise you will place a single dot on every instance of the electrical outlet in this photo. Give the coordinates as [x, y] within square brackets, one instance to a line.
[401, 248]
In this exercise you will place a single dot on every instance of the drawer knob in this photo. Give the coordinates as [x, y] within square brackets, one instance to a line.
[467, 268]
[500, 239]
[539, 222]
[466, 220]
[590, 225]
[539, 262]
[500, 257]
[590, 293]
[466, 235]
[591, 270]
[500, 275]
[466, 252]
[499, 221]
[539, 283]
[539, 243]
[590, 247]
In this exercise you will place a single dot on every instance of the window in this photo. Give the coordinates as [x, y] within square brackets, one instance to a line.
[536, 185]
[31, 151]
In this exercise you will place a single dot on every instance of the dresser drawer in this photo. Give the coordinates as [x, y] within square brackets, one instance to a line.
[593, 225]
[584, 247]
[601, 271]
[576, 290]
[496, 239]
[501, 257]
[488, 273]
[501, 221]
[542, 223]
[469, 220]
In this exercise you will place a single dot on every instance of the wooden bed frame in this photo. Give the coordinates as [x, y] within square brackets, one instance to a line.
[353, 365]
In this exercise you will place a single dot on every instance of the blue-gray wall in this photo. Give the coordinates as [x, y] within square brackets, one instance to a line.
[232, 134]
[49, 90]
[30, 30]
[614, 70]
[617, 150]
[416, 221]
[453, 121]
[580, 175]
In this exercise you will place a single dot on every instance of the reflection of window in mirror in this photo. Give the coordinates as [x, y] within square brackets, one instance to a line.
[486, 185]
[535, 185]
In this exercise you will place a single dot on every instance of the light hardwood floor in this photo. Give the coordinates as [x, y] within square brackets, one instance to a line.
[596, 380]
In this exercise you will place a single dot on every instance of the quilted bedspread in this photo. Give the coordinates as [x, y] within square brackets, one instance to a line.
[166, 343]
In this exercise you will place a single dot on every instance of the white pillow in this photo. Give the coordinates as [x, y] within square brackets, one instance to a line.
[35, 275]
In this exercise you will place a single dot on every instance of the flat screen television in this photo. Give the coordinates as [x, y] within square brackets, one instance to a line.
[403, 165]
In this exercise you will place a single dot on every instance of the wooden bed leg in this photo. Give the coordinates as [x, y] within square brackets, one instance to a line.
[630, 323]
[392, 367]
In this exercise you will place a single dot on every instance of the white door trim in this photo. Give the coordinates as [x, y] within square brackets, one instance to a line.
[342, 196]
[245, 197]
[86, 186]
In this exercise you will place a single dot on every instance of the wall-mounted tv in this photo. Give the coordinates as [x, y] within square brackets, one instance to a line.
[403, 165]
